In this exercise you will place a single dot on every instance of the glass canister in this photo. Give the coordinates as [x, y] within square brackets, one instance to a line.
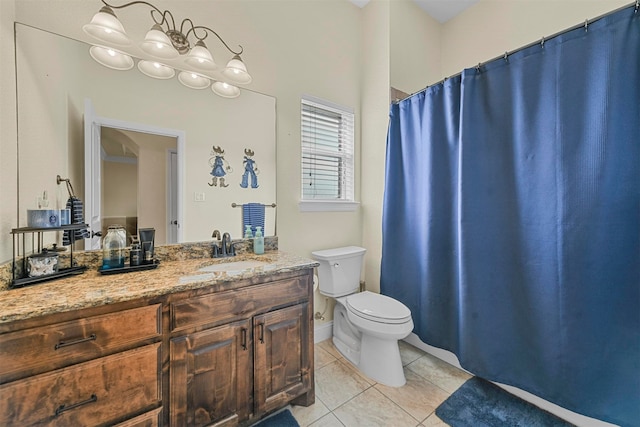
[42, 264]
[113, 247]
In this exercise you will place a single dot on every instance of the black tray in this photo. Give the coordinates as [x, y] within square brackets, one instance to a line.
[130, 268]
[63, 272]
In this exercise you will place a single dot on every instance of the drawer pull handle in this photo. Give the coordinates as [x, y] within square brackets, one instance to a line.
[64, 407]
[61, 344]
[243, 338]
[261, 326]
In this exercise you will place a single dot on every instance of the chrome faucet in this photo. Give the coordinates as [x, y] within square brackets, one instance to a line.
[225, 248]
[216, 246]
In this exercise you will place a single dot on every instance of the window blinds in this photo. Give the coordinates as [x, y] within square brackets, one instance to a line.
[327, 152]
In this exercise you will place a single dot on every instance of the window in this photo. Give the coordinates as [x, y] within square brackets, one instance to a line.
[327, 139]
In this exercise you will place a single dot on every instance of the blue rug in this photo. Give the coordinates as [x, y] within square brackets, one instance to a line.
[279, 419]
[479, 403]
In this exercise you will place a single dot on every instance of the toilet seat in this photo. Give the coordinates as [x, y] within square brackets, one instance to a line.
[378, 308]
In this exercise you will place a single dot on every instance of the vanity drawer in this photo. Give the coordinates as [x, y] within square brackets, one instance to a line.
[97, 392]
[149, 419]
[37, 350]
[223, 307]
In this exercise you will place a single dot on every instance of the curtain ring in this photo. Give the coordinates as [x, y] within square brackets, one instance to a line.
[586, 25]
[506, 56]
[480, 63]
[542, 41]
[637, 6]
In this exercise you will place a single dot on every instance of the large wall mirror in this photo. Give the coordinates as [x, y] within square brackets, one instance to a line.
[159, 143]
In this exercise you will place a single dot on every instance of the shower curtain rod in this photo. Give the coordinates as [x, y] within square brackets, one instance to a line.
[585, 25]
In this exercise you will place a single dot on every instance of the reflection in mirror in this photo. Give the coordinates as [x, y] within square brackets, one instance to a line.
[128, 158]
[55, 75]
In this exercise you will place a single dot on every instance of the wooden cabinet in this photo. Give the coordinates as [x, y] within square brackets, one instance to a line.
[282, 359]
[98, 392]
[218, 355]
[44, 348]
[257, 363]
[211, 376]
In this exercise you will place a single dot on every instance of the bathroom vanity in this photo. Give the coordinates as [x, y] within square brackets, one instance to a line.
[185, 344]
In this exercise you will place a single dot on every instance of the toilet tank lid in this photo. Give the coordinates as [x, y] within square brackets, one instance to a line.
[347, 251]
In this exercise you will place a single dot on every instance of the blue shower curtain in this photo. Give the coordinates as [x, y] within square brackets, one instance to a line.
[511, 218]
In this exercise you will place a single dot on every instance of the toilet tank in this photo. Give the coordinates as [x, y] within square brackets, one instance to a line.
[339, 270]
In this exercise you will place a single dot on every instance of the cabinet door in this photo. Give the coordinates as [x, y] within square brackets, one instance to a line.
[211, 376]
[282, 358]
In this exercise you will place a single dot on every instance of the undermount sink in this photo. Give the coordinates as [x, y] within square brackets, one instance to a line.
[233, 266]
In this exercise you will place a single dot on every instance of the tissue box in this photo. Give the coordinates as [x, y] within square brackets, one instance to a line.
[65, 216]
[43, 218]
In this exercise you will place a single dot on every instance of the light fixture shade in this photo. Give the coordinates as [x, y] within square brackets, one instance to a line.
[111, 58]
[236, 71]
[105, 27]
[193, 80]
[225, 90]
[156, 43]
[155, 69]
[200, 58]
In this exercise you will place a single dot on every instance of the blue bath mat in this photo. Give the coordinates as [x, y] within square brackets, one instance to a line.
[280, 419]
[479, 403]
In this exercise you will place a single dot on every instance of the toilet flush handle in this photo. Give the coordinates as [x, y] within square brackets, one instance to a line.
[336, 265]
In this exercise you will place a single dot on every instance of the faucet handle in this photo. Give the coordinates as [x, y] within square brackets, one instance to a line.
[216, 250]
[216, 234]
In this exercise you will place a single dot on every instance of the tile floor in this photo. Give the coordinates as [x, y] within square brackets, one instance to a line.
[346, 398]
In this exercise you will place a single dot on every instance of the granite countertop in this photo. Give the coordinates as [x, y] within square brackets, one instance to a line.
[93, 289]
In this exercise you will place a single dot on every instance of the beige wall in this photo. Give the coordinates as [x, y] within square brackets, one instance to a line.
[8, 131]
[119, 189]
[491, 27]
[152, 201]
[375, 113]
[326, 48]
[415, 47]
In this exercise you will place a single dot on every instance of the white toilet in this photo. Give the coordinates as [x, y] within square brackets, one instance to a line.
[366, 325]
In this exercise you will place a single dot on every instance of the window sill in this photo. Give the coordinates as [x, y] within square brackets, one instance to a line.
[327, 206]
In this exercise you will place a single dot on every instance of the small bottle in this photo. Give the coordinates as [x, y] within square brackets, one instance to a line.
[135, 255]
[248, 234]
[113, 248]
[258, 242]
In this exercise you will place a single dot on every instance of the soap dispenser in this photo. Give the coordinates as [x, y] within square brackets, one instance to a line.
[248, 234]
[258, 242]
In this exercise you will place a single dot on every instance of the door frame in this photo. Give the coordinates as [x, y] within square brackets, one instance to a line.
[92, 131]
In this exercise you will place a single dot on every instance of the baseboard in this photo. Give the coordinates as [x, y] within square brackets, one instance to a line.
[323, 332]
[452, 359]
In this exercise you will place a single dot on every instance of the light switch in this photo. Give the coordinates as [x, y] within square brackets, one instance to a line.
[198, 197]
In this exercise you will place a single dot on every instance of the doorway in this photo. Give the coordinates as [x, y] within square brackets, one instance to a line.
[133, 178]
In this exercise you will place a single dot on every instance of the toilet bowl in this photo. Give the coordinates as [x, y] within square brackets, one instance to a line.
[366, 325]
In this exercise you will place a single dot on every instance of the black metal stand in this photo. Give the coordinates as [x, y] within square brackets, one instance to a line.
[37, 243]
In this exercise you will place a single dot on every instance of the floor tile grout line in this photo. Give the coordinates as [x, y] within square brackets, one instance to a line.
[431, 382]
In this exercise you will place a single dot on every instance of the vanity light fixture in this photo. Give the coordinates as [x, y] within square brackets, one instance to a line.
[111, 58]
[155, 69]
[166, 42]
[225, 90]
